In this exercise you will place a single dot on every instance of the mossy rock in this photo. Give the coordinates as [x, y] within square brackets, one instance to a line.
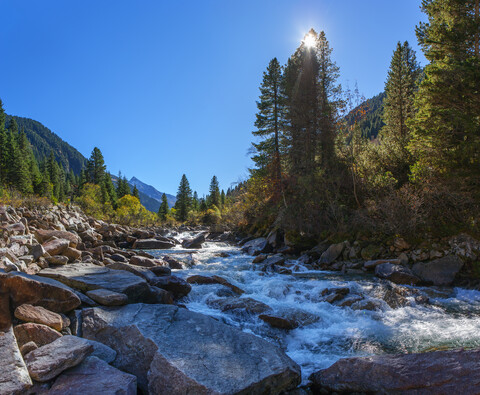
[371, 251]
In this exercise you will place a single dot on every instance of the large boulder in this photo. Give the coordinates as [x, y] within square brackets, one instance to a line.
[43, 235]
[49, 361]
[56, 246]
[194, 243]
[138, 260]
[332, 253]
[153, 244]
[39, 291]
[14, 377]
[94, 376]
[441, 372]
[257, 246]
[439, 271]
[39, 315]
[86, 277]
[175, 351]
[397, 274]
[177, 286]
[199, 279]
[106, 297]
[137, 270]
[38, 333]
[248, 305]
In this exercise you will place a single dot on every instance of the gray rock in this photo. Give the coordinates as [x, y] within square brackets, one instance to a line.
[256, 246]
[177, 286]
[332, 253]
[175, 351]
[14, 377]
[370, 265]
[49, 361]
[396, 273]
[94, 376]
[87, 277]
[106, 297]
[145, 273]
[194, 243]
[102, 351]
[440, 271]
[153, 244]
[248, 305]
[441, 372]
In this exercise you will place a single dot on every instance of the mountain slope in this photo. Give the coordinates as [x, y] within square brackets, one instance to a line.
[151, 191]
[43, 140]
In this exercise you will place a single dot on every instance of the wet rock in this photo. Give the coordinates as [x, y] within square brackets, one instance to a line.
[349, 300]
[44, 235]
[40, 315]
[172, 263]
[94, 376]
[27, 347]
[106, 297]
[277, 259]
[47, 362]
[440, 271]
[370, 265]
[14, 377]
[35, 290]
[248, 305]
[278, 322]
[172, 350]
[332, 253]
[153, 244]
[259, 258]
[161, 271]
[177, 286]
[396, 273]
[367, 304]
[86, 277]
[198, 279]
[441, 372]
[256, 246]
[195, 243]
[142, 261]
[56, 246]
[38, 333]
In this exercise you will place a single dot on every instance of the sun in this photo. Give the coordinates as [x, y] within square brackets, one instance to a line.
[309, 40]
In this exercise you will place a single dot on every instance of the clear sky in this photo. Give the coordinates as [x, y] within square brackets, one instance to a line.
[169, 87]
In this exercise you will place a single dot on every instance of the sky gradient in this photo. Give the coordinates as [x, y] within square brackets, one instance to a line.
[167, 87]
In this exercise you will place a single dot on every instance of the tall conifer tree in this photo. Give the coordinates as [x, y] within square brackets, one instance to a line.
[184, 199]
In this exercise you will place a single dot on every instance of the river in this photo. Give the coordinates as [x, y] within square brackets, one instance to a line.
[450, 319]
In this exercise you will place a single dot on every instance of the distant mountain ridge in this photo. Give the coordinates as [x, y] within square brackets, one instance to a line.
[151, 192]
[43, 140]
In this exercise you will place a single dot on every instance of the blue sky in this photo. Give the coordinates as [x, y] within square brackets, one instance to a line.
[166, 88]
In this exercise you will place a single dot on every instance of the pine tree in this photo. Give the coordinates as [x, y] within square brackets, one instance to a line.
[184, 199]
[270, 123]
[96, 167]
[163, 209]
[214, 196]
[399, 109]
[111, 193]
[195, 202]
[222, 198]
[135, 192]
[446, 129]
[122, 186]
[3, 146]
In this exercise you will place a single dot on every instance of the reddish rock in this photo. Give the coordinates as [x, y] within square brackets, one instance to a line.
[37, 333]
[106, 297]
[142, 261]
[278, 322]
[5, 317]
[56, 246]
[43, 235]
[39, 315]
[72, 254]
[27, 347]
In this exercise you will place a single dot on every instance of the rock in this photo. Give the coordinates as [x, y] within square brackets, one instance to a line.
[349, 300]
[198, 279]
[27, 347]
[44, 235]
[38, 251]
[396, 273]
[40, 315]
[440, 271]
[256, 246]
[102, 351]
[39, 291]
[370, 252]
[177, 286]
[161, 271]
[118, 258]
[57, 260]
[5, 317]
[161, 296]
[403, 258]
[440, 372]
[369, 265]
[153, 244]
[73, 254]
[175, 351]
[56, 246]
[172, 262]
[367, 304]
[94, 376]
[18, 228]
[14, 377]
[194, 243]
[259, 258]
[400, 244]
[275, 238]
[142, 272]
[277, 259]
[278, 322]
[87, 277]
[106, 297]
[142, 261]
[49, 361]
[38, 333]
[332, 253]
[249, 305]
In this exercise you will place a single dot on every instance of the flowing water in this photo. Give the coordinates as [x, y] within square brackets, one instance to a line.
[328, 332]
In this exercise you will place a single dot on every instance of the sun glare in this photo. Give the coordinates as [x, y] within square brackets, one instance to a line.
[309, 41]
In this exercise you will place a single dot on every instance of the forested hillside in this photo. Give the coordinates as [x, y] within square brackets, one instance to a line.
[368, 116]
[43, 140]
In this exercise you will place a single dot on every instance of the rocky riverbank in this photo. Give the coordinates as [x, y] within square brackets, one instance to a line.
[86, 309]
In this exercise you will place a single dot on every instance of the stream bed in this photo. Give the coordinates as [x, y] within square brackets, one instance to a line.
[327, 332]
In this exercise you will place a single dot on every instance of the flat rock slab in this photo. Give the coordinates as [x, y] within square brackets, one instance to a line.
[39, 315]
[175, 351]
[153, 244]
[199, 279]
[87, 277]
[47, 362]
[37, 333]
[14, 377]
[441, 372]
[94, 376]
[143, 272]
[439, 271]
[106, 297]
[32, 289]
